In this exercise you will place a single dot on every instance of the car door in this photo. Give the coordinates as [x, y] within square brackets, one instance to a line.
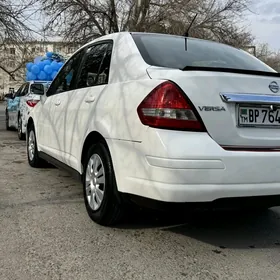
[13, 106]
[93, 77]
[51, 120]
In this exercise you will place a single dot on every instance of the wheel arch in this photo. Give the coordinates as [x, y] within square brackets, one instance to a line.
[93, 137]
[29, 123]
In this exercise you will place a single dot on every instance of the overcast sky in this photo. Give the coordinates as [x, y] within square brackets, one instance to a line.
[265, 23]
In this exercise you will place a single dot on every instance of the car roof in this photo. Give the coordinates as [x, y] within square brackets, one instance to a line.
[118, 35]
[39, 82]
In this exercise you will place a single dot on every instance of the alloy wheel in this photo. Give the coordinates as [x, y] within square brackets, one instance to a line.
[95, 182]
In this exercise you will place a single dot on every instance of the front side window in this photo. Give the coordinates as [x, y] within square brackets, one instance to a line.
[65, 79]
[95, 69]
[178, 52]
[25, 90]
[19, 91]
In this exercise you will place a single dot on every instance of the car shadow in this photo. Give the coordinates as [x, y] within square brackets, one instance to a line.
[220, 228]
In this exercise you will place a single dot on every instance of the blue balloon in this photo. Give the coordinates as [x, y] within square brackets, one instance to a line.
[47, 62]
[49, 78]
[54, 73]
[42, 76]
[54, 66]
[48, 69]
[49, 54]
[69, 77]
[35, 69]
[29, 66]
[37, 59]
[41, 65]
[31, 76]
[59, 64]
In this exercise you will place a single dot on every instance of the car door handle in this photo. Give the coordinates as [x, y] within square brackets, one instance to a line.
[90, 99]
[57, 102]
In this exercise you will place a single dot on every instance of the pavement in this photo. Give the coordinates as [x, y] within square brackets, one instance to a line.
[47, 234]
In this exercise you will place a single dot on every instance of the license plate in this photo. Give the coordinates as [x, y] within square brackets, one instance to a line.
[258, 116]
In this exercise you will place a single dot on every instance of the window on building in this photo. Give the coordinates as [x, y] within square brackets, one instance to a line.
[33, 50]
[12, 51]
[11, 64]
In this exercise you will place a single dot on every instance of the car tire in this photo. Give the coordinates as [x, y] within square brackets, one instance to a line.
[21, 136]
[32, 152]
[102, 200]
[7, 121]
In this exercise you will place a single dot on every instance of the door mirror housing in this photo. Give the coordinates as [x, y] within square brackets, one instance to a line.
[9, 96]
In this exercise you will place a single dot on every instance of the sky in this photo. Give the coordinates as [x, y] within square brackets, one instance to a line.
[264, 22]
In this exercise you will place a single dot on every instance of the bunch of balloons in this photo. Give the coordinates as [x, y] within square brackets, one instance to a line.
[44, 68]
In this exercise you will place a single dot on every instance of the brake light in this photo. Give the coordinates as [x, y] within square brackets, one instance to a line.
[167, 107]
[32, 103]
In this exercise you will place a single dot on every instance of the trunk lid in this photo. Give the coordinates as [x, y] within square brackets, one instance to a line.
[225, 100]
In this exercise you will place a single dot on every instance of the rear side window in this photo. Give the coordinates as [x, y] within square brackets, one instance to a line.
[169, 51]
[95, 68]
[65, 79]
[37, 88]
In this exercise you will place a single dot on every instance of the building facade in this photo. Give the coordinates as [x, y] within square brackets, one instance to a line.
[13, 58]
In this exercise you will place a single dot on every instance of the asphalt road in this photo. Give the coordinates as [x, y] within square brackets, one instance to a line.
[46, 234]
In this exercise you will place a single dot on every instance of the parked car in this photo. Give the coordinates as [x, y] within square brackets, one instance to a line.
[167, 119]
[19, 105]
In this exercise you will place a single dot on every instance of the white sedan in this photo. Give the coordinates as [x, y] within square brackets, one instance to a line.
[161, 118]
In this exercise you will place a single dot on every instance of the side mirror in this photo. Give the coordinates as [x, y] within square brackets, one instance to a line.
[8, 96]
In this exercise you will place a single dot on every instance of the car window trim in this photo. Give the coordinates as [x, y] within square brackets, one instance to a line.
[27, 85]
[107, 41]
[18, 92]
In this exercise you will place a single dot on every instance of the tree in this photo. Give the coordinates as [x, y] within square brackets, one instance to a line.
[269, 57]
[14, 32]
[84, 20]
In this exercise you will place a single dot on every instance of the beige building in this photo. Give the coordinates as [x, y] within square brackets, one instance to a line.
[14, 57]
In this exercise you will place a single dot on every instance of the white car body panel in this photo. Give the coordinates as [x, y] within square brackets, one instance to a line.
[166, 165]
[22, 109]
[204, 88]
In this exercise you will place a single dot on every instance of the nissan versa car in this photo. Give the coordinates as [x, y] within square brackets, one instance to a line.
[161, 118]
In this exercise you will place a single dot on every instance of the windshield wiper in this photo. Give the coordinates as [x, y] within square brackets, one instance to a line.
[231, 70]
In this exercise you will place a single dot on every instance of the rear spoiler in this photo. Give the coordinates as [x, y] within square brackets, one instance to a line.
[231, 70]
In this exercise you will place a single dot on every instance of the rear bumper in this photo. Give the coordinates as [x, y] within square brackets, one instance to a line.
[172, 166]
[232, 203]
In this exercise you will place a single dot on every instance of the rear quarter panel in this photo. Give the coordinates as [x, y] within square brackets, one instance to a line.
[115, 114]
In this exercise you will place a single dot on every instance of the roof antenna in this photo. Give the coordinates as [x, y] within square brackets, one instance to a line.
[187, 31]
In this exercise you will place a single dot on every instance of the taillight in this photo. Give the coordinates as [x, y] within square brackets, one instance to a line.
[167, 107]
[32, 103]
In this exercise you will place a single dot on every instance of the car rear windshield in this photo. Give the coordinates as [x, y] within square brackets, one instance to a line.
[170, 51]
[37, 88]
